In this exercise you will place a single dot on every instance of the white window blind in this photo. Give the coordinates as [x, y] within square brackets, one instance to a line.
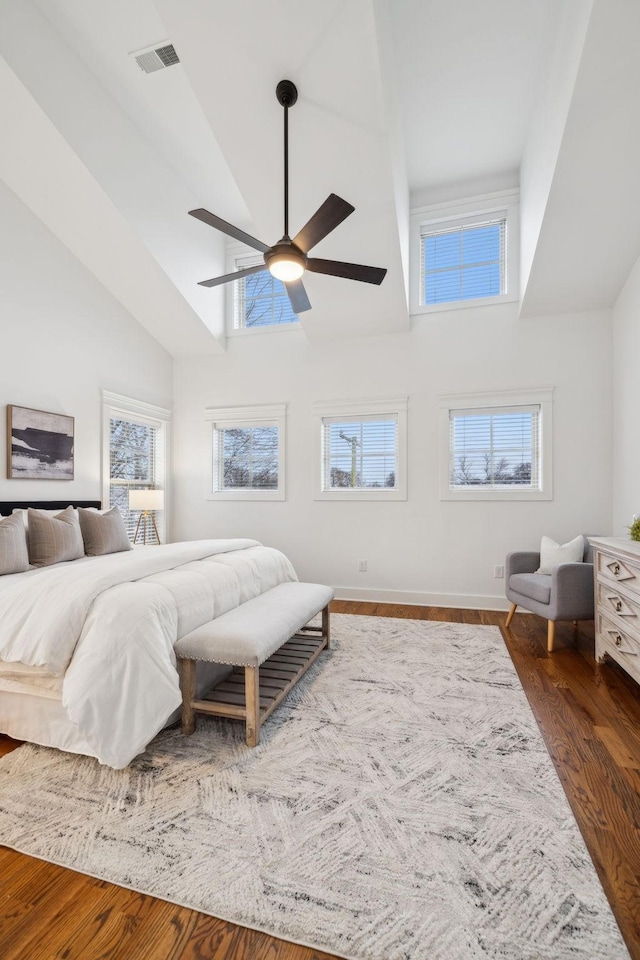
[260, 299]
[135, 458]
[246, 458]
[360, 453]
[463, 260]
[495, 448]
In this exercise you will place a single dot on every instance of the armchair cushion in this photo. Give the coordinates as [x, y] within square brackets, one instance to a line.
[536, 586]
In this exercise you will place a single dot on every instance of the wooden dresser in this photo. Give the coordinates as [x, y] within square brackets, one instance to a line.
[617, 595]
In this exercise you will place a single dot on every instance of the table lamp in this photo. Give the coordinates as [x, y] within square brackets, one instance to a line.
[147, 501]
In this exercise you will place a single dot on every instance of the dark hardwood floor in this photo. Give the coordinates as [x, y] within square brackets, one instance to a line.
[589, 716]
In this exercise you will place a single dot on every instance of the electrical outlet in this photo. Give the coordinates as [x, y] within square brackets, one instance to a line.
[498, 571]
[362, 566]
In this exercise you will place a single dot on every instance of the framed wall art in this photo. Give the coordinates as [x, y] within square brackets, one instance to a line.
[39, 445]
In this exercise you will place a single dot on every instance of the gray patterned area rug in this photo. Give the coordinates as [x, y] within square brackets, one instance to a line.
[401, 806]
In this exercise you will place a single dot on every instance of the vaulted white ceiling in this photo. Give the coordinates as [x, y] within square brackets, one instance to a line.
[396, 98]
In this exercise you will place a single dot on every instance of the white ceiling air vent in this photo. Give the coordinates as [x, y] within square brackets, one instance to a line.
[157, 57]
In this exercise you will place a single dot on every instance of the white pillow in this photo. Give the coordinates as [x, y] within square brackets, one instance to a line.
[552, 554]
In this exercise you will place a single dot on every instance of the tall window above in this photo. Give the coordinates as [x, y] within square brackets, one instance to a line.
[497, 450]
[465, 254]
[247, 453]
[260, 300]
[135, 454]
[463, 262]
[362, 450]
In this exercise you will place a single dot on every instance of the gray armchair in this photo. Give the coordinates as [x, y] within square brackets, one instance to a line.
[565, 594]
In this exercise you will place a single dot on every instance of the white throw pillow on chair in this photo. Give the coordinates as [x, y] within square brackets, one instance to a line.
[552, 554]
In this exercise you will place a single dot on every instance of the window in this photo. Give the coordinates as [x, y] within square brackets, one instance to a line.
[496, 446]
[135, 437]
[260, 300]
[361, 450]
[463, 262]
[465, 254]
[247, 452]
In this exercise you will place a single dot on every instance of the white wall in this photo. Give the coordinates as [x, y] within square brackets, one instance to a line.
[626, 404]
[423, 549]
[64, 338]
[547, 128]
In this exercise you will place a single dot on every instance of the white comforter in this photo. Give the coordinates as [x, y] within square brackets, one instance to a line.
[109, 624]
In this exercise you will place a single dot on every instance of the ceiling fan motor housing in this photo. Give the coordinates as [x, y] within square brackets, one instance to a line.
[286, 258]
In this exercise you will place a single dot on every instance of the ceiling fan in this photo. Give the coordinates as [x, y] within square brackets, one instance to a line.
[287, 259]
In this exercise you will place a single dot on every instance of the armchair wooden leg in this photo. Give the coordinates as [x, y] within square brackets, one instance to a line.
[551, 635]
[512, 610]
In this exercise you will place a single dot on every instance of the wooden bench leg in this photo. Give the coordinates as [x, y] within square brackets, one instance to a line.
[252, 705]
[188, 684]
[326, 626]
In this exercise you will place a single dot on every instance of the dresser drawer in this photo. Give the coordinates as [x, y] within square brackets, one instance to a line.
[619, 645]
[621, 606]
[626, 572]
[619, 640]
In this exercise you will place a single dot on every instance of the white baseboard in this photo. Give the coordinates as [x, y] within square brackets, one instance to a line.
[460, 601]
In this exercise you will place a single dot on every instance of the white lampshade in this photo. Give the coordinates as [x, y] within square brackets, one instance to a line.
[146, 499]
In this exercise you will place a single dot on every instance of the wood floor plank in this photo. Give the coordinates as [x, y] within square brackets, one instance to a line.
[26, 938]
[589, 716]
[138, 929]
[7, 744]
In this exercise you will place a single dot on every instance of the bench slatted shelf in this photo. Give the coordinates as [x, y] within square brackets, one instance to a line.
[270, 644]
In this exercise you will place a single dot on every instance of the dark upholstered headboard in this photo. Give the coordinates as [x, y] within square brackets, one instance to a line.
[8, 506]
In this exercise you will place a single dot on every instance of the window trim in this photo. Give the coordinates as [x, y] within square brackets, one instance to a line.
[235, 252]
[117, 405]
[542, 397]
[505, 202]
[265, 415]
[354, 410]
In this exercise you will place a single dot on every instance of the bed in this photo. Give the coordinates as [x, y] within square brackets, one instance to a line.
[86, 646]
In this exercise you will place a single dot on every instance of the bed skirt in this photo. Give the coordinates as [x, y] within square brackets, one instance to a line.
[41, 718]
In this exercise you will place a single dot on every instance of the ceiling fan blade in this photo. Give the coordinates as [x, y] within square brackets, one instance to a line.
[326, 218]
[350, 271]
[219, 224]
[236, 275]
[298, 296]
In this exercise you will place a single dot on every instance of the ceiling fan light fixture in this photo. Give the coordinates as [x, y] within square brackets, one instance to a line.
[285, 267]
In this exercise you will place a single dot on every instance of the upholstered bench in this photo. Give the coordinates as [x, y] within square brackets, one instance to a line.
[269, 643]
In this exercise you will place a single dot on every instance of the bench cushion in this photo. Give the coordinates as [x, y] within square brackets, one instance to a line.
[249, 634]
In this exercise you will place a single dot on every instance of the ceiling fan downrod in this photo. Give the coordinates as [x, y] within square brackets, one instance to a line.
[286, 94]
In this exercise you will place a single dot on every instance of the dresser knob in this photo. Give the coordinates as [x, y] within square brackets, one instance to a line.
[618, 606]
[616, 569]
[618, 640]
